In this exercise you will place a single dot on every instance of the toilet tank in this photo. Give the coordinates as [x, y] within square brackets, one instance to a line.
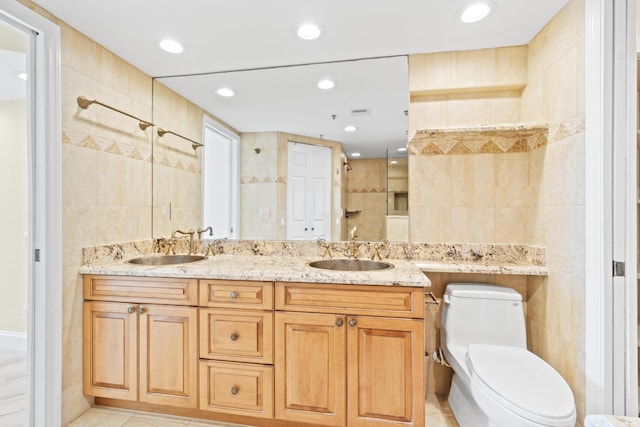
[475, 313]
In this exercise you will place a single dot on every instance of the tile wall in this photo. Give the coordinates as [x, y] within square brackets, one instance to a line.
[534, 197]
[367, 198]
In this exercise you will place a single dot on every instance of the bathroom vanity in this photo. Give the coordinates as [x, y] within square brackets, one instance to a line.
[299, 347]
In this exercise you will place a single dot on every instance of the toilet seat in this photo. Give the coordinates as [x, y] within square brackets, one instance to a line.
[521, 382]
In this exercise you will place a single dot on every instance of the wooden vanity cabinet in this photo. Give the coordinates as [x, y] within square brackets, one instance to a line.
[349, 355]
[140, 351]
[236, 347]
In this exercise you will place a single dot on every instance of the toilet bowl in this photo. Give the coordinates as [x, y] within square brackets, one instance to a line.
[497, 382]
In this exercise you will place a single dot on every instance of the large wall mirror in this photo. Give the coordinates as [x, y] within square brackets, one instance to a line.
[271, 108]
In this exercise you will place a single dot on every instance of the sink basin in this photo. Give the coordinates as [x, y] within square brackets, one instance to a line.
[166, 259]
[350, 265]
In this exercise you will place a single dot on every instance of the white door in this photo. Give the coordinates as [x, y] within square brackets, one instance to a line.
[308, 192]
[220, 181]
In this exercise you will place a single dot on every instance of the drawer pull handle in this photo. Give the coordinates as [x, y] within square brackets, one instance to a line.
[233, 295]
[131, 309]
[339, 322]
[141, 310]
[234, 336]
[234, 390]
[353, 322]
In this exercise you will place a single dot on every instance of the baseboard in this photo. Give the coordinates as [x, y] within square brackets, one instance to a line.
[13, 341]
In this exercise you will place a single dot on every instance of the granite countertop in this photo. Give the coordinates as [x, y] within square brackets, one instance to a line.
[482, 268]
[268, 268]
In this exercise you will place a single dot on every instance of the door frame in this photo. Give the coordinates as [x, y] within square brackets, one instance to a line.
[44, 338]
[610, 211]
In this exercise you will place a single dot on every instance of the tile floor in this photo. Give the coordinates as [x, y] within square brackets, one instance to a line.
[437, 414]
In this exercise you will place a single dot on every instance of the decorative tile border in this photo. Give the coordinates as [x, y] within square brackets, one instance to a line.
[567, 129]
[497, 139]
[124, 149]
[263, 180]
[515, 138]
[367, 190]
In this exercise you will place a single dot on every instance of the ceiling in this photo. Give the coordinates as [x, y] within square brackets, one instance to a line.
[222, 36]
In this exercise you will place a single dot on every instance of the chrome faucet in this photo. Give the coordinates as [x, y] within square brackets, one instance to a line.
[189, 233]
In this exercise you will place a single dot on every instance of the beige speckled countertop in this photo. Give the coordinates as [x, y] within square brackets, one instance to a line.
[269, 268]
[482, 268]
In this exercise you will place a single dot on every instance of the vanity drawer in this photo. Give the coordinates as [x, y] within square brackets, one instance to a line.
[393, 301]
[235, 335]
[236, 388]
[236, 294]
[160, 290]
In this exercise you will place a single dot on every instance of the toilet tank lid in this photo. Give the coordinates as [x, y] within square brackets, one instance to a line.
[482, 291]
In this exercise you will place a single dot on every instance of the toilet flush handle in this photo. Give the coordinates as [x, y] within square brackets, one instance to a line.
[445, 298]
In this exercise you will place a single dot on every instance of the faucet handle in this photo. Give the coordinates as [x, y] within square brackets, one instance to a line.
[171, 250]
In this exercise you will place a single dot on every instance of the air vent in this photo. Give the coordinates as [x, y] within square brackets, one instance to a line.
[360, 111]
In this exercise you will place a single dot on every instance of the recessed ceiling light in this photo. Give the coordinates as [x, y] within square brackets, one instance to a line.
[308, 31]
[22, 76]
[326, 84]
[171, 46]
[402, 149]
[355, 154]
[225, 91]
[350, 129]
[476, 12]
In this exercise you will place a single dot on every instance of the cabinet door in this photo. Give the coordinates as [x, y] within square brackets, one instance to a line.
[385, 371]
[110, 350]
[169, 355]
[310, 368]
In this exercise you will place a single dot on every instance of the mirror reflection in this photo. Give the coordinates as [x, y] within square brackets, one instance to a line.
[278, 160]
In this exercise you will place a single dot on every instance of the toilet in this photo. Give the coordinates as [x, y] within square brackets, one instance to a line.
[497, 382]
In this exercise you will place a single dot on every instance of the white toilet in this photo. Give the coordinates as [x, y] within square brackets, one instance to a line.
[497, 382]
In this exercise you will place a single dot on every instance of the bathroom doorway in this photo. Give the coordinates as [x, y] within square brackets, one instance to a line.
[30, 157]
[14, 135]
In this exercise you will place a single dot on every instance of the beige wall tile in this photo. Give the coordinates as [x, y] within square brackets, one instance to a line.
[429, 224]
[430, 181]
[473, 180]
[472, 224]
[510, 224]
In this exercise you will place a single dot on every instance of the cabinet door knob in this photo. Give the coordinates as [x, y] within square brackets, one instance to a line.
[141, 310]
[234, 390]
[131, 309]
[234, 336]
[353, 322]
[339, 322]
[233, 295]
